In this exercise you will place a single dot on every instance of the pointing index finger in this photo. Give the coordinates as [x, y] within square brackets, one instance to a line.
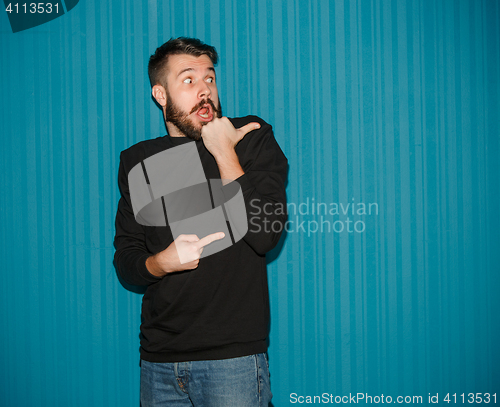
[209, 239]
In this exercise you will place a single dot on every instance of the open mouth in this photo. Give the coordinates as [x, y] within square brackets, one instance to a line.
[205, 113]
[205, 110]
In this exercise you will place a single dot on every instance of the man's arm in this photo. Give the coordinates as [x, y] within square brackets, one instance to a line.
[182, 254]
[134, 261]
[259, 166]
[130, 238]
[220, 138]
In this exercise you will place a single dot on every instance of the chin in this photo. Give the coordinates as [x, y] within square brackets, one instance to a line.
[193, 133]
[194, 136]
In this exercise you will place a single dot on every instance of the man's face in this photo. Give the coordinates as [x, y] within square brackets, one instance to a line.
[192, 99]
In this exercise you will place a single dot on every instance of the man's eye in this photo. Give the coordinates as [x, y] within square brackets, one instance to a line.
[188, 80]
[210, 80]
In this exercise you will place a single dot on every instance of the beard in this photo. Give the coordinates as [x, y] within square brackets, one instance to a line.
[180, 119]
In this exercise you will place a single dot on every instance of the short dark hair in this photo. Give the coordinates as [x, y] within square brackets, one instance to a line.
[157, 67]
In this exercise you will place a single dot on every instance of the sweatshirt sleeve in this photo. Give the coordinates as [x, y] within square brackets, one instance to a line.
[130, 240]
[263, 187]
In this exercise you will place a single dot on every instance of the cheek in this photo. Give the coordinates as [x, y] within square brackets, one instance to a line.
[186, 101]
[215, 97]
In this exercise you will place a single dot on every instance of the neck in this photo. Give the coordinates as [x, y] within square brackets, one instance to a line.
[173, 130]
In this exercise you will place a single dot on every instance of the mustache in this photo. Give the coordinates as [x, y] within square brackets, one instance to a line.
[202, 103]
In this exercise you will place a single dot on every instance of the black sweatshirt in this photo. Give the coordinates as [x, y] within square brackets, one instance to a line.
[220, 309]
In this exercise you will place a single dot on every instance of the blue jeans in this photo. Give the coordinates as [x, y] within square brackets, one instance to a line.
[237, 382]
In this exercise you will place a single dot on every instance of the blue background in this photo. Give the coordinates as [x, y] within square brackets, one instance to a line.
[394, 103]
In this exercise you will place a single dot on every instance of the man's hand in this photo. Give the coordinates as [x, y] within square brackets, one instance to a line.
[182, 254]
[220, 137]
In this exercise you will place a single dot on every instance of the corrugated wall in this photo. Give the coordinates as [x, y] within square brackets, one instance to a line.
[388, 111]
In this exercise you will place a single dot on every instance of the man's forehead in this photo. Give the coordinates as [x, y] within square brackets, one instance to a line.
[180, 63]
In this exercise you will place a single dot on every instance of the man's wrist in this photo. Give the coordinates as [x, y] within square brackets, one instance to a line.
[227, 156]
[153, 267]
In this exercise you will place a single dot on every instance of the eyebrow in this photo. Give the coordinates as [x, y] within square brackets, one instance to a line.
[192, 69]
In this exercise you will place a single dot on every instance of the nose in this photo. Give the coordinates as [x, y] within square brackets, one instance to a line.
[204, 90]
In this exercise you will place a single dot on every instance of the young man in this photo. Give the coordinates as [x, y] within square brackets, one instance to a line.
[205, 318]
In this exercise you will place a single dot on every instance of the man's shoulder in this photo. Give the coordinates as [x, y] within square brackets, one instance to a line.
[146, 145]
[254, 138]
[142, 150]
[241, 121]
[258, 145]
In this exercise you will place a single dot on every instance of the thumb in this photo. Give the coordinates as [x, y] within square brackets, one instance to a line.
[247, 128]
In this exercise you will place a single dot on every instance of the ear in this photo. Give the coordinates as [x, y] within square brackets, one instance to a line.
[160, 95]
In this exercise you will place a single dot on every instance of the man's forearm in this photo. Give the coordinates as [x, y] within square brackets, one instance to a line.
[229, 167]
